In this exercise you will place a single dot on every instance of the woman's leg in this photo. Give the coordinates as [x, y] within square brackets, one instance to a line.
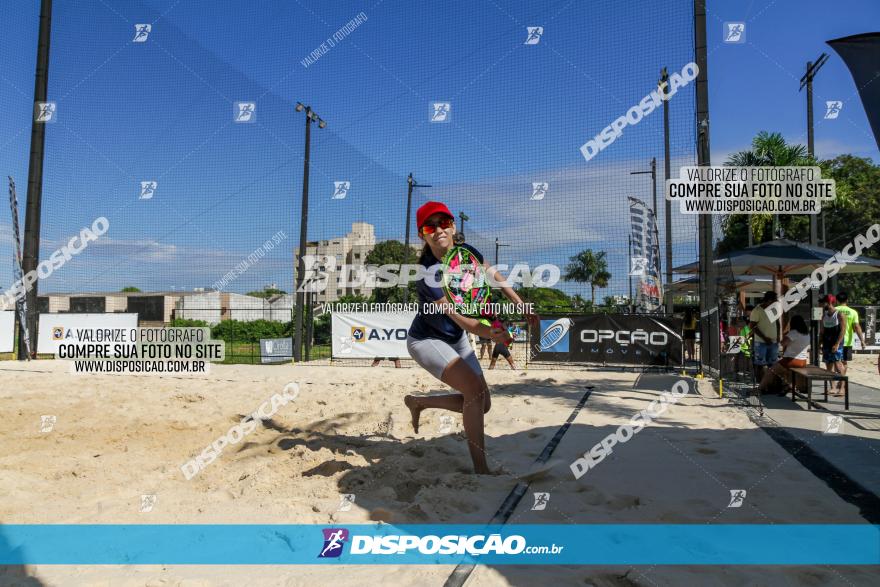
[475, 402]
[472, 402]
[456, 365]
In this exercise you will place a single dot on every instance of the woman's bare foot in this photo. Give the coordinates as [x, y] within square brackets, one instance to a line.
[415, 411]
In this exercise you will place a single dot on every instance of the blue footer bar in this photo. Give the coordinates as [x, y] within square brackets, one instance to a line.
[605, 544]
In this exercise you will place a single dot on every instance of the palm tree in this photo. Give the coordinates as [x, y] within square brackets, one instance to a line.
[769, 150]
[589, 267]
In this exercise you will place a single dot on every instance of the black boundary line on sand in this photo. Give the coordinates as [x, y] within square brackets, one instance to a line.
[463, 571]
[850, 490]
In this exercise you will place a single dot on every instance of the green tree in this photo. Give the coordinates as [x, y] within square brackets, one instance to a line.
[129, 288]
[589, 267]
[856, 207]
[391, 252]
[545, 299]
[768, 150]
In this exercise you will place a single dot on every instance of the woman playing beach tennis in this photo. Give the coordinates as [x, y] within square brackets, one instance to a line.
[437, 339]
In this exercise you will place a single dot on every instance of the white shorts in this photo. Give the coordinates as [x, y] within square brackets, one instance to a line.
[435, 355]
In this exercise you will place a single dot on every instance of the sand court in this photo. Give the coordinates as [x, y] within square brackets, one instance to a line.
[116, 439]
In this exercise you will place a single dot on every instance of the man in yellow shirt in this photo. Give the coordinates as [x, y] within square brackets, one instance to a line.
[852, 325]
[766, 334]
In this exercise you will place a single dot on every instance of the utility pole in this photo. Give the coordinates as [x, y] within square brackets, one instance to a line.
[667, 168]
[463, 217]
[31, 246]
[807, 81]
[303, 231]
[410, 184]
[497, 245]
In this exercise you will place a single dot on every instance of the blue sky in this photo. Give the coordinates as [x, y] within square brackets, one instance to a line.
[162, 110]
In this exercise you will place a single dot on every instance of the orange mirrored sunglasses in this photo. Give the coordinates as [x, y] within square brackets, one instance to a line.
[443, 224]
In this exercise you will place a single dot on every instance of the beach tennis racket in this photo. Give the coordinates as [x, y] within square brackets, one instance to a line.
[466, 286]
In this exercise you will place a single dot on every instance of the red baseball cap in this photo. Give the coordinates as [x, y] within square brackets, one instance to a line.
[428, 209]
[828, 299]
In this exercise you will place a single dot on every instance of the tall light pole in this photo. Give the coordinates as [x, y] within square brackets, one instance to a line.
[303, 230]
[807, 81]
[497, 245]
[410, 184]
[667, 209]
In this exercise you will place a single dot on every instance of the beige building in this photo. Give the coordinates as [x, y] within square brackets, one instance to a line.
[350, 250]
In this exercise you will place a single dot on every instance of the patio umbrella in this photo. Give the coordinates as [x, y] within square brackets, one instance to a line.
[783, 257]
[743, 283]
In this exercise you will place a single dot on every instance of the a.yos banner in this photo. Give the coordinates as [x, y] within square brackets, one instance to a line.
[7, 331]
[367, 335]
[55, 329]
[610, 339]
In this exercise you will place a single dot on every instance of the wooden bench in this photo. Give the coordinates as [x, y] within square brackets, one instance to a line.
[811, 373]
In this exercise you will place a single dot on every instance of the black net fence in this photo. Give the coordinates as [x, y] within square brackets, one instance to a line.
[179, 126]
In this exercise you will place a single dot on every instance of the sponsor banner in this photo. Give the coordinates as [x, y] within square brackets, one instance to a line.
[7, 331]
[616, 339]
[446, 544]
[367, 335]
[872, 336]
[54, 329]
[276, 350]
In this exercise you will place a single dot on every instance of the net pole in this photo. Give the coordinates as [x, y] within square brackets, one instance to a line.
[708, 305]
[31, 245]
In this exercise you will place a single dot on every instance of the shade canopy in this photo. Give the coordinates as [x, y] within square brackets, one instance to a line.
[746, 283]
[783, 257]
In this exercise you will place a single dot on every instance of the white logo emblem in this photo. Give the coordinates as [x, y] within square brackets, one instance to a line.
[734, 32]
[534, 35]
[639, 266]
[737, 496]
[344, 345]
[148, 189]
[346, 500]
[341, 189]
[832, 109]
[539, 189]
[554, 333]
[147, 503]
[446, 423]
[833, 424]
[141, 32]
[45, 111]
[440, 111]
[541, 500]
[245, 112]
[47, 423]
